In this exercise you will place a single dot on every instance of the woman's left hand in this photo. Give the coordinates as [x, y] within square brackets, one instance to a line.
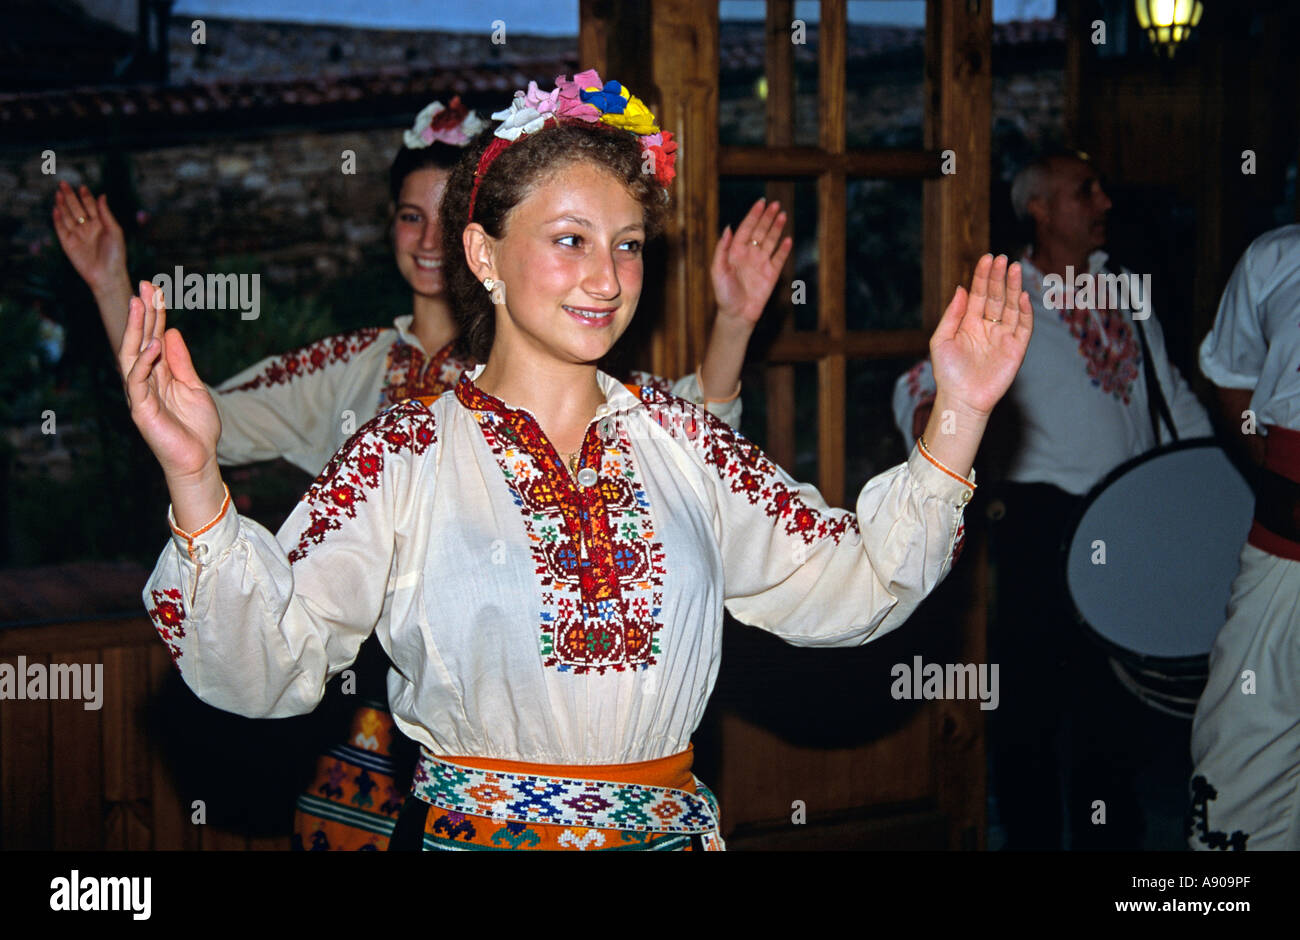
[747, 263]
[982, 337]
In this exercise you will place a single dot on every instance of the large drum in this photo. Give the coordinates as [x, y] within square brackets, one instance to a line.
[1150, 563]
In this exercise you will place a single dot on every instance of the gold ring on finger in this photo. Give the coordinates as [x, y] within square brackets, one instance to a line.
[994, 319]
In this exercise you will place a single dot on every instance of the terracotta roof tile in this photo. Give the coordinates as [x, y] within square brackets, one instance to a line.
[86, 111]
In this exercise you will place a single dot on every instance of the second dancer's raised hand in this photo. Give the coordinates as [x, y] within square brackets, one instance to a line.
[172, 408]
[747, 263]
[90, 236]
[94, 243]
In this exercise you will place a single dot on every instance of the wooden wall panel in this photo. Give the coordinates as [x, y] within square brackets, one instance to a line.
[171, 823]
[25, 799]
[127, 779]
[76, 765]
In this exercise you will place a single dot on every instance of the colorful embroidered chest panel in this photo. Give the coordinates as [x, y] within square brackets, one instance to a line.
[331, 351]
[594, 550]
[408, 373]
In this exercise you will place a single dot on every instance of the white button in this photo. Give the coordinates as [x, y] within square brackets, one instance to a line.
[602, 410]
[586, 476]
[965, 497]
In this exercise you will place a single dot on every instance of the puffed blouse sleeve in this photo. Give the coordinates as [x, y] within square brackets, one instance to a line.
[818, 576]
[257, 624]
[289, 405]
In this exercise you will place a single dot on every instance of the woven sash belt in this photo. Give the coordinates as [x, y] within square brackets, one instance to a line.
[597, 804]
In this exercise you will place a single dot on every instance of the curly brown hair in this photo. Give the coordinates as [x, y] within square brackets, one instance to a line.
[511, 177]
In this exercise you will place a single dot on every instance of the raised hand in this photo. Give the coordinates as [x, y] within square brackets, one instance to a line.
[172, 408]
[980, 342]
[93, 242]
[90, 236]
[747, 263]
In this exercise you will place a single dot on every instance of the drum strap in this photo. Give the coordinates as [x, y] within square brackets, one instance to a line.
[1155, 397]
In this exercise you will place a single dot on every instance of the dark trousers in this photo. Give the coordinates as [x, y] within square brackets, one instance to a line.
[1065, 734]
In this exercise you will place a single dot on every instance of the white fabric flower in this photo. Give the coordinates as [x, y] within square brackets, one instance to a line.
[472, 125]
[414, 138]
[519, 119]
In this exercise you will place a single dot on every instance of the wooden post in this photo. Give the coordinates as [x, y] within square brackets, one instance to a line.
[684, 57]
[779, 376]
[959, 87]
[831, 227]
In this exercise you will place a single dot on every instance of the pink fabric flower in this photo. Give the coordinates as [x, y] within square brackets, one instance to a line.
[570, 104]
[540, 101]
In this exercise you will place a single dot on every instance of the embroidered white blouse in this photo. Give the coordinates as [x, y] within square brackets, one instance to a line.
[531, 616]
[304, 404]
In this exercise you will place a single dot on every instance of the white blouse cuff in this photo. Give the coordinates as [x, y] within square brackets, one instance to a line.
[206, 543]
[939, 481]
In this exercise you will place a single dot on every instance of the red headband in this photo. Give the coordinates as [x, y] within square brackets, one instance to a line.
[494, 150]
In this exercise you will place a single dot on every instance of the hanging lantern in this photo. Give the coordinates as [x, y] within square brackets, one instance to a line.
[1168, 22]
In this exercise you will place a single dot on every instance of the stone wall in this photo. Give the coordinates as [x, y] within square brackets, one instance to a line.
[281, 197]
[240, 49]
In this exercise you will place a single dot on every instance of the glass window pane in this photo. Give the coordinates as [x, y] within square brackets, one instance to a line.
[872, 443]
[883, 254]
[735, 198]
[756, 396]
[743, 79]
[885, 74]
[742, 83]
[806, 66]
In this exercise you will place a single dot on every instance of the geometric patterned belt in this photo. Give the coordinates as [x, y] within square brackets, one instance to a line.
[596, 804]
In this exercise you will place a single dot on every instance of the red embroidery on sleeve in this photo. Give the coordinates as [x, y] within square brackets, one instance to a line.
[914, 379]
[359, 466]
[748, 471]
[309, 359]
[168, 616]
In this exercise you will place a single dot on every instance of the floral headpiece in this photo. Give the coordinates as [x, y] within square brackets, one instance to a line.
[585, 98]
[452, 124]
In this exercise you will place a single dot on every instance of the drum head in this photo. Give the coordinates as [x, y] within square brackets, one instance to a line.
[1173, 523]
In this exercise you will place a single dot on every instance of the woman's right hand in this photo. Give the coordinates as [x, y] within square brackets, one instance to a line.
[172, 408]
